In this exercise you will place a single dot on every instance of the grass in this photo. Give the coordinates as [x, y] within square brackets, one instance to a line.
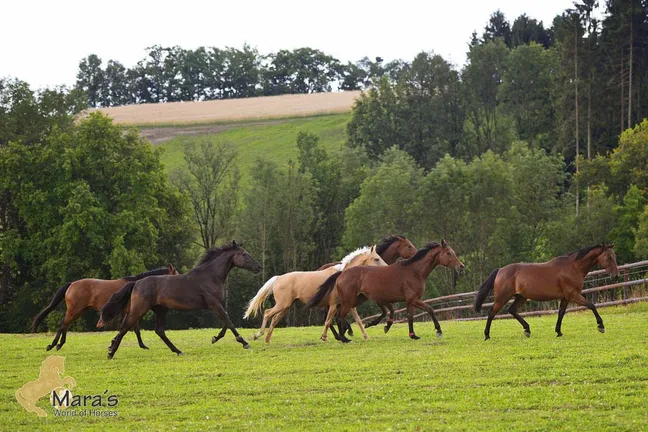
[275, 142]
[582, 381]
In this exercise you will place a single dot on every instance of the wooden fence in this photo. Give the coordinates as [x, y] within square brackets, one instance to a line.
[598, 289]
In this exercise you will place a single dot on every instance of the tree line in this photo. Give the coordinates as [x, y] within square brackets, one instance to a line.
[485, 157]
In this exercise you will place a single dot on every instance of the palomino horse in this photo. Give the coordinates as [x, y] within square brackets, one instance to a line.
[401, 281]
[85, 294]
[561, 278]
[390, 249]
[200, 288]
[301, 285]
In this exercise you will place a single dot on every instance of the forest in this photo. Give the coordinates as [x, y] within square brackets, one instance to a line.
[537, 146]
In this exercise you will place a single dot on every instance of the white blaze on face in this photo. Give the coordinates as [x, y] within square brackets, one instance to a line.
[60, 392]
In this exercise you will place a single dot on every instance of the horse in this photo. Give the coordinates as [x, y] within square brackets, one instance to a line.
[84, 294]
[301, 285]
[50, 379]
[200, 288]
[560, 278]
[401, 281]
[390, 249]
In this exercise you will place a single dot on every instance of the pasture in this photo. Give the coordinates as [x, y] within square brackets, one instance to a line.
[582, 381]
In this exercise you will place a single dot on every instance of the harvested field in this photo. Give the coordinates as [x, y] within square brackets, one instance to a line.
[232, 110]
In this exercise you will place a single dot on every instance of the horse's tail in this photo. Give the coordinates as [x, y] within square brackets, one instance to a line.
[485, 289]
[323, 290]
[256, 304]
[116, 304]
[58, 297]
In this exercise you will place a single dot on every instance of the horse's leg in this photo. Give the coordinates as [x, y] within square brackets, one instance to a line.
[335, 333]
[160, 325]
[410, 321]
[328, 322]
[358, 321]
[217, 307]
[267, 315]
[342, 314]
[274, 322]
[383, 313]
[561, 313]
[56, 338]
[114, 344]
[424, 306]
[579, 299]
[71, 314]
[491, 314]
[519, 301]
[390, 320]
[220, 335]
[139, 336]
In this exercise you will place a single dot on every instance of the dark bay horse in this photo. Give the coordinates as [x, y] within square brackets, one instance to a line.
[85, 294]
[200, 288]
[390, 249]
[561, 278]
[401, 281]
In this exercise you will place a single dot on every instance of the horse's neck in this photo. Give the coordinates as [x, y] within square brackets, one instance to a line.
[586, 263]
[356, 261]
[221, 266]
[391, 254]
[425, 266]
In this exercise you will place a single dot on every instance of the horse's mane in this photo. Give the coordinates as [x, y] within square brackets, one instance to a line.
[214, 252]
[421, 253]
[347, 259]
[386, 243]
[582, 252]
[154, 272]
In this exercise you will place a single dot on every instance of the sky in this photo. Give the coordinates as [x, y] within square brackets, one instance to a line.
[42, 42]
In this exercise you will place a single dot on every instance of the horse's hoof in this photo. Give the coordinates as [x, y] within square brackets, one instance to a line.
[58, 347]
[214, 339]
[256, 336]
[144, 347]
[110, 356]
[439, 335]
[247, 346]
[346, 341]
[350, 333]
[413, 336]
[180, 353]
[601, 329]
[527, 333]
[49, 347]
[486, 338]
[558, 334]
[325, 339]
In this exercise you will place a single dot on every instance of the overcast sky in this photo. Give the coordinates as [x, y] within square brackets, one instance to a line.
[42, 42]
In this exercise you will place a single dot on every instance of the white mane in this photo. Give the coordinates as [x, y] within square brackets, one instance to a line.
[347, 259]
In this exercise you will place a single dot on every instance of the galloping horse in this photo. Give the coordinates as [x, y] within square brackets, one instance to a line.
[85, 294]
[200, 288]
[301, 285]
[561, 278]
[401, 281]
[390, 249]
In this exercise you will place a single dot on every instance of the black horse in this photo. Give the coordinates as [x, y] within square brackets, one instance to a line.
[200, 288]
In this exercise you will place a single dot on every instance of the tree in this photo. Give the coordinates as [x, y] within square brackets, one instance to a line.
[526, 30]
[90, 79]
[497, 28]
[211, 182]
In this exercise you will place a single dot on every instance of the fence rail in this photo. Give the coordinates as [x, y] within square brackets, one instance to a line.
[459, 306]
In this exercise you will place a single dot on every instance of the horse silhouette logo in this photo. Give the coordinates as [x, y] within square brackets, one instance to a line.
[49, 380]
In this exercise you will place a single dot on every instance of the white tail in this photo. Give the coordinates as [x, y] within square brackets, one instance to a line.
[255, 305]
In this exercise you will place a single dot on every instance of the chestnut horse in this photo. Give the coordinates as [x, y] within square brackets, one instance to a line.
[85, 294]
[301, 285]
[200, 288]
[390, 249]
[401, 281]
[561, 278]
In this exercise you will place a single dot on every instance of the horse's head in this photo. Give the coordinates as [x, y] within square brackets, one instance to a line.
[370, 258]
[607, 260]
[404, 247]
[172, 270]
[448, 258]
[242, 259]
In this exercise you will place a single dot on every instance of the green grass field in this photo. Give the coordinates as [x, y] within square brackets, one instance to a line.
[582, 381]
[274, 141]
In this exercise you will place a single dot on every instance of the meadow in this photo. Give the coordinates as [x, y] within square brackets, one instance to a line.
[274, 141]
[582, 381]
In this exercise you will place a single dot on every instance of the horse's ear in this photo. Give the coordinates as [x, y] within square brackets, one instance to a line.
[171, 268]
[611, 246]
[373, 249]
[233, 242]
[444, 243]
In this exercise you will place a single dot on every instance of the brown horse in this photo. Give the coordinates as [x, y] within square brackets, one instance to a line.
[200, 288]
[85, 294]
[561, 278]
[390, 249]
[401, 281]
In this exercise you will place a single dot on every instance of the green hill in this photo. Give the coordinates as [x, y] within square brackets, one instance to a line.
[272, 140]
